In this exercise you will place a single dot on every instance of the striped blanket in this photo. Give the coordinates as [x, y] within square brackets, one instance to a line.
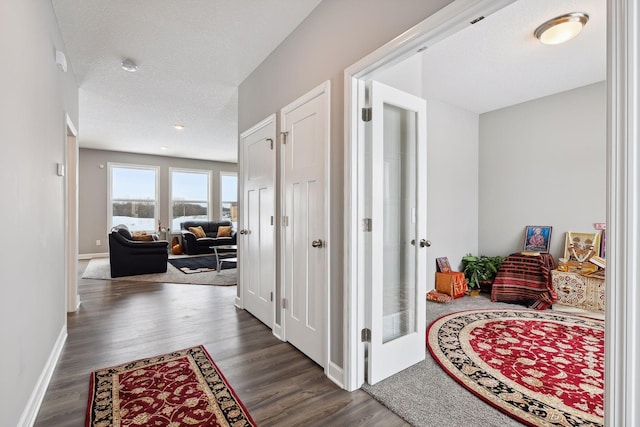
[525, 280]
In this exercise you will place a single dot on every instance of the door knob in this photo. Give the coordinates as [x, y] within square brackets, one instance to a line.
[317, 243]
[244, 231]
[425, 243]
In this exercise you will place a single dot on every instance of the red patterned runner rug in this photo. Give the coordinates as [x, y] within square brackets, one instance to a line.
[542, 368]
[183, 388]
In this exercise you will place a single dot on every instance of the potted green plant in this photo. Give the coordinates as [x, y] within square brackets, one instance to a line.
[480, 271]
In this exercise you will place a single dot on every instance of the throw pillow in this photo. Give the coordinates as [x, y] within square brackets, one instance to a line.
[224, 231]
[198, 232]
[142, 236]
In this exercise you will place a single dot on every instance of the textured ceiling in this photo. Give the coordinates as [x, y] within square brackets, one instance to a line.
[498, 62]
[193, 54]
[191, 57]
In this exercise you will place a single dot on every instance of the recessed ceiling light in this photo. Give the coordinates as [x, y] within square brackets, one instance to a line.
[163, 147]
[129, 65]
[178, 126]
[562, 28]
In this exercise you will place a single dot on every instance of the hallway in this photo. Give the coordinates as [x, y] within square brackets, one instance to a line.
[120, 321]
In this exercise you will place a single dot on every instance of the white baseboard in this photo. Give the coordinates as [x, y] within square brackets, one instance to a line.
[30, 411]
[277, 331]
[239, 303]
[336, 374]
[97, 255]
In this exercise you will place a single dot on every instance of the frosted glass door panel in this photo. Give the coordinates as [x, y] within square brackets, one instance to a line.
[399, 200]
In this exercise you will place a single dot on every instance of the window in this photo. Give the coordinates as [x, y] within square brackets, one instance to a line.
[133, 196]
[189, 196]
[229, 196]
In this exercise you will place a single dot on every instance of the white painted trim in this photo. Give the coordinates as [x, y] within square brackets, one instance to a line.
[94, 255]
[335, 374]
[622, 325]
[71, 203]
[277, 332]
[30, 411]
[238, 303]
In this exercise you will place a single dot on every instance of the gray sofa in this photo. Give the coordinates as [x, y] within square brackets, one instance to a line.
[192, 245]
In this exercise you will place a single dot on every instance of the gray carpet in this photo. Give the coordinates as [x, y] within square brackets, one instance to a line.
[425, 395]
[98, 268]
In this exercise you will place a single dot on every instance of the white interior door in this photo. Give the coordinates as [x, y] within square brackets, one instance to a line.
[305, 124]
[396, 300]
[256, 237]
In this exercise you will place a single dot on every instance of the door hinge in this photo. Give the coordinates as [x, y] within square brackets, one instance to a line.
[365, 335]
[284, 303]
[271, 296]
[366, 114]
[271, 219]
[285, 221]
[284, 137]
[270, 143]
[366, 224]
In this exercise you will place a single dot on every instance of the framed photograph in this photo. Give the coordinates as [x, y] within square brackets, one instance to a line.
[537, 238]
[581, 246]
[443, 265]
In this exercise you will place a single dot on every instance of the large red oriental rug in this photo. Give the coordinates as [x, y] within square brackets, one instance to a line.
[183, 388]
[542, 368]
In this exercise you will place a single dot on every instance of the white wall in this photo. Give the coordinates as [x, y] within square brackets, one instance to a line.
[542, 163]
[35, 97]
[334, 36]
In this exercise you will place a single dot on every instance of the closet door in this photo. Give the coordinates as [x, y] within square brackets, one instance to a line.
[305, 160]
[256, 238]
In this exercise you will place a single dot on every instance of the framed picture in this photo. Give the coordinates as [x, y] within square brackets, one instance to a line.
[443, 265]
[537, 238]
[581, 246]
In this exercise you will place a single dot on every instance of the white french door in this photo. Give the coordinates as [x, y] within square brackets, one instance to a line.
[397, 254]
[256, 237]
[305, 127]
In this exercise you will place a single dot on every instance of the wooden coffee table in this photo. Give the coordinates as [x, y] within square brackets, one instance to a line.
[224, 249]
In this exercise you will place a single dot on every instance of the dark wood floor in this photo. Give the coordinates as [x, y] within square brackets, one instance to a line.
[120, 321]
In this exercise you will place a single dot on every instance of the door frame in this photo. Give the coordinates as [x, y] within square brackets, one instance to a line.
[622, 347]
[71, 214]
[435, 28]
[331, 370]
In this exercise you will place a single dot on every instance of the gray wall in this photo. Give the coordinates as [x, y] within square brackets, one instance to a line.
[542, 163]
[335, 35]
[35, 97]
[93, 190]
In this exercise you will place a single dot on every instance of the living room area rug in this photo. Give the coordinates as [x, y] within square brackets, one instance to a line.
[541, 368]
[183, 388]
[99, 268]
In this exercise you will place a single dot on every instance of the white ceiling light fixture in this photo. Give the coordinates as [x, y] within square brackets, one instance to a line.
[562, 28]
[129, 66]
[163, 147]
[178, 126]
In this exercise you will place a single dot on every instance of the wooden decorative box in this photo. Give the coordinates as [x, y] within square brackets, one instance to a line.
[580, 291]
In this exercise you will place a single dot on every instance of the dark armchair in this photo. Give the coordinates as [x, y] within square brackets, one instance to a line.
[130, 257]
[193, 245]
